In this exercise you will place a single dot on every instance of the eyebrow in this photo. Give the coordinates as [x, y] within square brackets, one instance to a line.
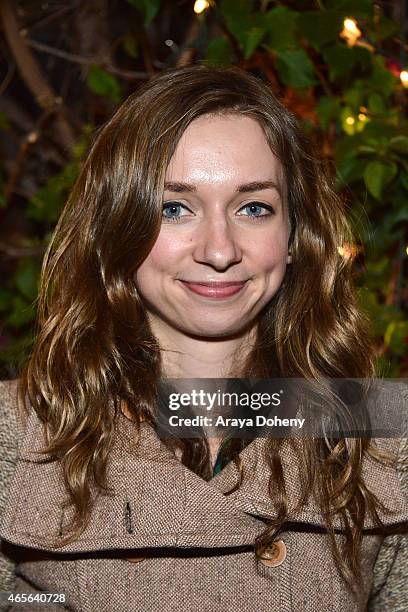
[178, 187]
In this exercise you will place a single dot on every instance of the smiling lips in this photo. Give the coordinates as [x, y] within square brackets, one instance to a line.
[217, 290]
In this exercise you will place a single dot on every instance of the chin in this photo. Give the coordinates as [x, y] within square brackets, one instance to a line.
[214, 331]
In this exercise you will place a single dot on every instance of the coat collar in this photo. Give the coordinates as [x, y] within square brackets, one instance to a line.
[157, 501]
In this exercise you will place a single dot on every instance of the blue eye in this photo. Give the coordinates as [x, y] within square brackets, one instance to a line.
[171, 211]
[256, 209]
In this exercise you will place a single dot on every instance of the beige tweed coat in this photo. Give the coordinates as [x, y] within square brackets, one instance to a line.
[168, 540]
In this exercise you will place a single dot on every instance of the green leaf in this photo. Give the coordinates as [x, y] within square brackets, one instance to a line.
[21, 313]
[103, 83]
[219, 52]
[377, 175]
[295, 68]
[400, 215]
[381, 79]
[355, 95]
[47, 203]
[342, 60]
[280, 24]
[396, 336]
[367, 150]
[238, 18]
[320, 27]
[26, 278]
[350, 169]
[379, 267]
[380, 315]
[379, 130]
[385, 28]
[149, 8]
[399, 144]
[253, 38]
[17, 350]
[247, 27]
[328, 108]
[380, 142]
[376, 104]
[130, 46]
[352, 7]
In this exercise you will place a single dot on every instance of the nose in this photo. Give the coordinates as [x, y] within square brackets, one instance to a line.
[217, 244]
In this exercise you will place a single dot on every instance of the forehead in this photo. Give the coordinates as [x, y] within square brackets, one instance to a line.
[222, 147]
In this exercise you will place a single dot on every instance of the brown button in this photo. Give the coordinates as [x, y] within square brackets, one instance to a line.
[135, 559]
[275, 554]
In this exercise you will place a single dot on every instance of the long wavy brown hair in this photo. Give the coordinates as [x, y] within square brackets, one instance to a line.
[94, 344]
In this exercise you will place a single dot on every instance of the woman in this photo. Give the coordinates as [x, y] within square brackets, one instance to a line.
[201, 240]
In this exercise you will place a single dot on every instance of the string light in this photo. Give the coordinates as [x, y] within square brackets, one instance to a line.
[362, 117]
[350, 32]
[200, 6]
[404, 77]
[32, 137]
[350, 120]
[351, 26]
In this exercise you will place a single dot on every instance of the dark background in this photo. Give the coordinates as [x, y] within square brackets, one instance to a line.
[66, 65]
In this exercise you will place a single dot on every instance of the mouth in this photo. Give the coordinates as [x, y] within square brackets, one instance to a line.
[214, 290]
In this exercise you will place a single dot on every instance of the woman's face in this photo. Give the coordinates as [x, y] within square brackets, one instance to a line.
[222, 250]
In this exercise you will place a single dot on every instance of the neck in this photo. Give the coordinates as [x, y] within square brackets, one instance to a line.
[185, 356]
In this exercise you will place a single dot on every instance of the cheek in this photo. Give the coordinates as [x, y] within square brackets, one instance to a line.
[270, 253]
[163, 253]
[168, 249]
[162, 258]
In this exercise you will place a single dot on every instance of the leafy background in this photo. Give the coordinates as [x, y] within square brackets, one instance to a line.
[67, 65]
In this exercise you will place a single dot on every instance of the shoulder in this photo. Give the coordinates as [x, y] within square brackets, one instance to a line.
[8, 460]
[390, 588]
[8, 418]
[9, 431]
[8, 394]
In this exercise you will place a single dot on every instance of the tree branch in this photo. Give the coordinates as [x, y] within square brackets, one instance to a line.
[32, 74]
[187, 54]
[78, 59]
[8, 78]
[17, 252]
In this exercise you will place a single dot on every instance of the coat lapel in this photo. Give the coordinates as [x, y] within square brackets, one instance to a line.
[158, 502]
[253, 496]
